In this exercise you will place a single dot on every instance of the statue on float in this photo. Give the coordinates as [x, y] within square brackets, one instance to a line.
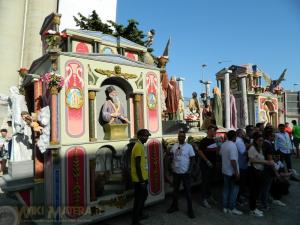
[233, 112]
[172, 100]
[112, 110]
[218, 107]
[194, 105]
[207, 116]
[21, 139]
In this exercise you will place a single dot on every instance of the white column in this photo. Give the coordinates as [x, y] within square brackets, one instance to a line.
[244, 99]
[180, 84]
[207, 88]
[227, 98]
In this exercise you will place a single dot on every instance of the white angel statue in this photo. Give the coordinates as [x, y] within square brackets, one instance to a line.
[21, 139]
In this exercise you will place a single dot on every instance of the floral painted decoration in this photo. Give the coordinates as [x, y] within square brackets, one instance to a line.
[54, 81]
[23, 72]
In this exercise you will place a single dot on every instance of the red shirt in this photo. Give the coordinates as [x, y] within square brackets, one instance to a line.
[288, 130]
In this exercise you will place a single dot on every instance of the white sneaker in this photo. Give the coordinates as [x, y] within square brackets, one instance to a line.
[279, 203]
[206, 204]
[257, 213]
[236, 212]
[225, 210]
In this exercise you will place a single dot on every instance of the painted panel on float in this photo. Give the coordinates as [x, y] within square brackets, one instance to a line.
[76, 181]
[154, 161]
[152, 100]
[74, 87]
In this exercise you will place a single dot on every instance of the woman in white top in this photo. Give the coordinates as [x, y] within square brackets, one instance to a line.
[257, 162]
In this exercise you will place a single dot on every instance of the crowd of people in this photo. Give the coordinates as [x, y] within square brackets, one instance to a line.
[256, 168]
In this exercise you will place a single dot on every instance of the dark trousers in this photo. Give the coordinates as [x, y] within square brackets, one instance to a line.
[206, 183]
[279, 188]
[186, 180]
[266, 185]
[256, 182]
[244, 183]
[287, 159]
[140, 196]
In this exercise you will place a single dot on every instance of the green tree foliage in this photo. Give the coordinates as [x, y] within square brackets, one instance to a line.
[93, 22]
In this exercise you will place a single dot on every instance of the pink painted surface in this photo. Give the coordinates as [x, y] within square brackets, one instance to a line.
[76, 181]
[154, 161]
[82, 48]
[74, 79]
[131, 55]
[152, 102]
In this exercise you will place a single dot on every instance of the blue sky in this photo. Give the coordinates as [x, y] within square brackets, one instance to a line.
[262, 32]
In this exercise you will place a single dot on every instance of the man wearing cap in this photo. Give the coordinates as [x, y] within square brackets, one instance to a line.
[112, 110]
[139, 176]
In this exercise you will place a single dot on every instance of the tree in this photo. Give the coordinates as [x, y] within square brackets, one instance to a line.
[130, 32]
[92, 22]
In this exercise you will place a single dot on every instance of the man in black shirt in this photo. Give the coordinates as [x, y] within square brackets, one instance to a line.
[208, 150]
[268, 151]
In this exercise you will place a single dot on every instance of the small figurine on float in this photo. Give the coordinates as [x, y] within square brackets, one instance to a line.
[32, 122]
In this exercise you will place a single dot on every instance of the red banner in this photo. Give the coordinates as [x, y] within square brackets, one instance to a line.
[76, 182]
[154, 161]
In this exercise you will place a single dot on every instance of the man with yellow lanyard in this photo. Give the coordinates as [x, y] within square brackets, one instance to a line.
[139, 176]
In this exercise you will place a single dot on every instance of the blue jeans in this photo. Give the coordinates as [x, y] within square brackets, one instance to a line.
[230, 192]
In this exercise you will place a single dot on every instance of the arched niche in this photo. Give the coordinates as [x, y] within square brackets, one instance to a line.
[109, 171]
[124, 90]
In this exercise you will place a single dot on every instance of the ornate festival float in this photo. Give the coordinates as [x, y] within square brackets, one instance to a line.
[247, 100]
[78, 109]
[91, 92]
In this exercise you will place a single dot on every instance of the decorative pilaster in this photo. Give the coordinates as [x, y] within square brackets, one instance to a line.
[137, 102]
[92, 95]
[54, 131]
[227, 98]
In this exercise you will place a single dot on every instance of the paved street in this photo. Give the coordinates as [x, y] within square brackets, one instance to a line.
[289, 215]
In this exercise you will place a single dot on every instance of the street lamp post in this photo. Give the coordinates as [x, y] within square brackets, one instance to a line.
[294, 86]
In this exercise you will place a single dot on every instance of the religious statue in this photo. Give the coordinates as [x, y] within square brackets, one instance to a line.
[274, 83]
[112, 111]
[194, 106]
[21, 140]
[233, 112]
[218, 107]
[172, 100]
[207, 116]
[180, 112]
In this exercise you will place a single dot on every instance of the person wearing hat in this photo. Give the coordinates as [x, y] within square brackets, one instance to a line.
[112, 110]
[139, 176]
